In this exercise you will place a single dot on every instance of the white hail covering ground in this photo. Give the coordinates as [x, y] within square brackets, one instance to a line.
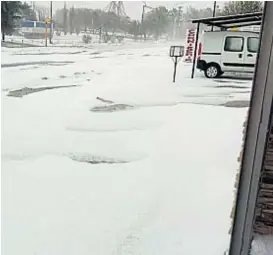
[174, 195]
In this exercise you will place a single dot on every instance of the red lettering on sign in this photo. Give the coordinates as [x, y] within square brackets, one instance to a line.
[190, 41]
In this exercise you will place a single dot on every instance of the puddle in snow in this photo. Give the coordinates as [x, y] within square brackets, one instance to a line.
[95, 53]
[237, 104]
[90, 159]
[25, 91]
[56, 63]
[111, 108]
[29, 68]
[110, 130]
[50, 53]
[79, 73]
[150, 55]
[231, 80]
[97, 57]
[232, 86]
[241, 92]
[208, 95]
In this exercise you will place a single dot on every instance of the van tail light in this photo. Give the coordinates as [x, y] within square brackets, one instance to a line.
[199, 49]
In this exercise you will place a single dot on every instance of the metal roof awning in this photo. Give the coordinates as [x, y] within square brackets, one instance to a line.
[230, 21]
[226, 22]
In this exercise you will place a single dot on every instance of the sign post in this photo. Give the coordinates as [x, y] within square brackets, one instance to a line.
[176, 52]
[46, 34]
[47, 21]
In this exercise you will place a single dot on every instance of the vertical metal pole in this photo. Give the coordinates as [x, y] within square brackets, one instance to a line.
[46, 33]
[255, 141]
[100, 35]
[142, 22]
[178, 23]
[65, 19]
[50, 36]
[195, 50]
[174, 71]
[174, 27]
[213, 13]
[214, 9]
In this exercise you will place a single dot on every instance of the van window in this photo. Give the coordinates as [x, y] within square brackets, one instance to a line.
[234, 43]
[252, 44]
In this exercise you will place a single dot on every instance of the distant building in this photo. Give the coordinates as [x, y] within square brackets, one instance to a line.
[35, 29]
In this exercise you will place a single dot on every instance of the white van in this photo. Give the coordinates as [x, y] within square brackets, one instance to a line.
[227, 51]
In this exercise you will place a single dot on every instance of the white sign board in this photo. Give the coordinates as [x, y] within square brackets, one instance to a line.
[177, 51]
[190, 43]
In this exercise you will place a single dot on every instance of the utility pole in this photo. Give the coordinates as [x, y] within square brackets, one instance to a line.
[51, 24]
[142, 21]
[178, 23]
[174, 27]
[65, 19]
[46, 22]
[214, 12]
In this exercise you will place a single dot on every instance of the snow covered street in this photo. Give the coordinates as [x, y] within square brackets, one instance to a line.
[155, 177]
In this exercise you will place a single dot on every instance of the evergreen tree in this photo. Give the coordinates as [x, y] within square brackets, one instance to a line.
[157, 21]
[28, 13]
[10, 12]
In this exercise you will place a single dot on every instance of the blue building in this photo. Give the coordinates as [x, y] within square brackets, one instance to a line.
[36, 29]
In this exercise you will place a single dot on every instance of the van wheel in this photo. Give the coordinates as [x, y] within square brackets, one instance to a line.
[212, 71]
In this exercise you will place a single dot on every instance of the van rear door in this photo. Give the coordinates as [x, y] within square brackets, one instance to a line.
[233, 54]
[252, 46]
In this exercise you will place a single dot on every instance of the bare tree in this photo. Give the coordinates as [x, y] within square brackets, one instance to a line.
[43, 13]
[65, 18]
[239, 7]
[71, 20]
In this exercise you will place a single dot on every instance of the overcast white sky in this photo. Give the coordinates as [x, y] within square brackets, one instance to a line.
[133, 8]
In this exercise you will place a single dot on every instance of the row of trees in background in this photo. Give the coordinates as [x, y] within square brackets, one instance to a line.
[74, 20]
[156, 22]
